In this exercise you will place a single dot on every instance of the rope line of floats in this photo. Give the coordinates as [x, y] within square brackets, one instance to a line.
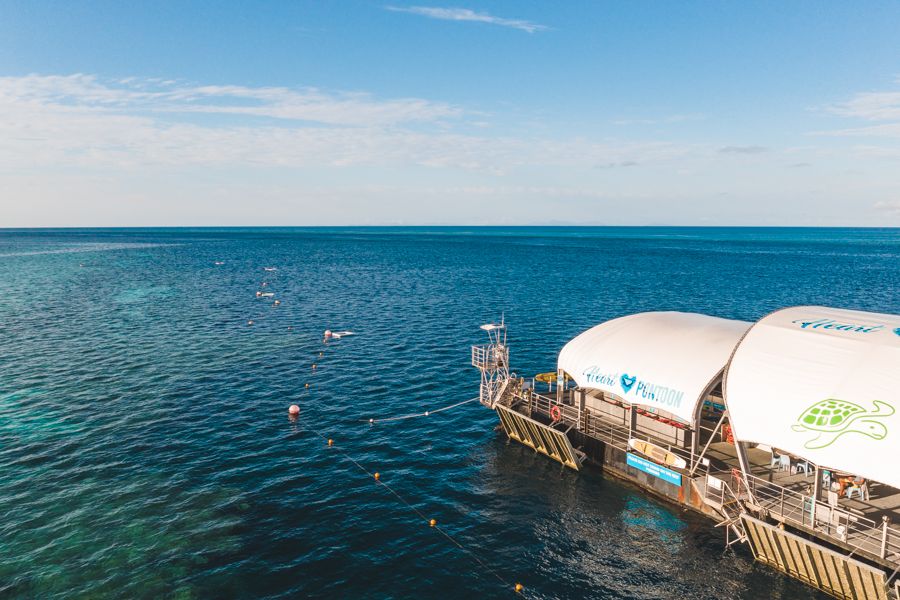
[294, 412]
[427, 413]
[430, 521]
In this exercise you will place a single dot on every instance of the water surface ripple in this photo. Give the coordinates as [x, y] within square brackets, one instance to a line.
[146, 450]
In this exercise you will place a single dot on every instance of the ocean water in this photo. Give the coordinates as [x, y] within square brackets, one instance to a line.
[146, 450]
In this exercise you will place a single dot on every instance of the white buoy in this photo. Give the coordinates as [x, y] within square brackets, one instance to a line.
[294, 410]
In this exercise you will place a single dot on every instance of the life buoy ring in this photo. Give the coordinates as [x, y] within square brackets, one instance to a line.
[555, 413]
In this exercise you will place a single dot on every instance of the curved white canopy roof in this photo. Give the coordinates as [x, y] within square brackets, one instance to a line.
[792, 362]
[663, 360]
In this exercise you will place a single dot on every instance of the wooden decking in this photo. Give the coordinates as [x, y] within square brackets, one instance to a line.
[854, 523]
[883, 500]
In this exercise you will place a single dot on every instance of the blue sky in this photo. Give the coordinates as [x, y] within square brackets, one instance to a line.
[314, 113]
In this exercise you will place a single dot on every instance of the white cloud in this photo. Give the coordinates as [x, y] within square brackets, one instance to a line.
[872, 106]
[880, 107]
[743, 150]
[890, 207]
[660, 121]
[883, 130]
[81, 120]
[153, 95]
[465, 14]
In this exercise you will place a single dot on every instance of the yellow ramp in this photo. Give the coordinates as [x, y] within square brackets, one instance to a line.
[537, 436]
[832, 572]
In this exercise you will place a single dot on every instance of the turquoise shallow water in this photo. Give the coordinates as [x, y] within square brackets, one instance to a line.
[146, 450]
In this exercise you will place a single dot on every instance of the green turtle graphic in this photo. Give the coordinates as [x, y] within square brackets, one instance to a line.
[833, 418]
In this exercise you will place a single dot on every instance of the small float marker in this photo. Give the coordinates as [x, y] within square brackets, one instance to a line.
[519, 588]
[377, 476]
[277, 302]
[294, 410]
[432, 523]
[371, 421]
[330, 442]
[249, 322]
[314, 366]
[306, 386]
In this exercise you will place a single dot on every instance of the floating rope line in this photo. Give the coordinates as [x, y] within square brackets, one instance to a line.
[518, 588]
[432, 523]
[427, 413]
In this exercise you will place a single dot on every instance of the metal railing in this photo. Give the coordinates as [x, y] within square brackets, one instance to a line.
[830, 522]
[488, 356]
[595, 425]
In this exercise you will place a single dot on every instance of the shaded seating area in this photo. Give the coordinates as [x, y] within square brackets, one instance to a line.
[652, 376]
[817, 431]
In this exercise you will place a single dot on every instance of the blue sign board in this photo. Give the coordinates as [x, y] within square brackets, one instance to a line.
[642, 464]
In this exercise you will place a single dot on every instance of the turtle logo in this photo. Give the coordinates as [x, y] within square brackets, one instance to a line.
[897, 331]
[831, 419]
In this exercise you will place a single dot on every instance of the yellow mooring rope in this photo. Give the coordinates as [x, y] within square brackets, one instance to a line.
[432, 523]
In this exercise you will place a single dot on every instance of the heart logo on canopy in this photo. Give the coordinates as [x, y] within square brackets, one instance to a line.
[627, 382]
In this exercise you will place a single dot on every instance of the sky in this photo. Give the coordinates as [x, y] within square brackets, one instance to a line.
[181, 113]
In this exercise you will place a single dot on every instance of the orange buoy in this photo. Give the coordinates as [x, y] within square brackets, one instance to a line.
[330, 442]
[294, 410]
[432, 522]
[377, 476]
[519, 588]
[306, 386]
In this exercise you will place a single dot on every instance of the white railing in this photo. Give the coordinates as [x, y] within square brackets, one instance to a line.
[835, 523]
[831, 522]
[489, 356]
[595, 425]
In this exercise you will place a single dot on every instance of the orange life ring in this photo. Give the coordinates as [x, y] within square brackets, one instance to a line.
[555, 413]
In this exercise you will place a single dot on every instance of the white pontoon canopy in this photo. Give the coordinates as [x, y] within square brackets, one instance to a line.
[823, 384]
[662, 360]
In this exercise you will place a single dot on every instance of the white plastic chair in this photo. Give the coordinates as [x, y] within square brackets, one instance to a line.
[785, 462]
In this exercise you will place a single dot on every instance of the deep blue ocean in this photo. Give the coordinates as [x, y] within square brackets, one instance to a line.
[146, 449]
